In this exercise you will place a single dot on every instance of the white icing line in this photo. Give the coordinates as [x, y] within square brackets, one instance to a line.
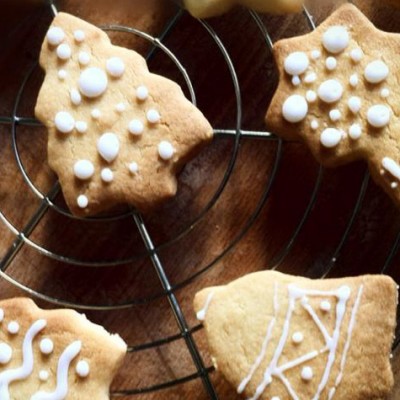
[317, 321]
[264, 346]
[26, 368]
[299, 361]
[391, 166]
[64, 362]
[201, 315]
[348, 341]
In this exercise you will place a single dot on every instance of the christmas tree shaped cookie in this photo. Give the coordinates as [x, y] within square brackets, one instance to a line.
[117, 133]
[54, 355]
[281, 337]
[212, 8]
[339, 93]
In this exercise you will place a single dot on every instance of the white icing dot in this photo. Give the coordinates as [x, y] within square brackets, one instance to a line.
[62, 74]
[5, 353]
[394, 185]
[64, 51]
[353, 80]
[1, 315]
[310, 77]
[82, 369]
[81, 126]
[331, 63]
[107, 175]
[297, 337]
[314, 125]
[115, 67]
[153, 116]
[296, 63]
[331, 137]
[385, 92]
[46, 346]
[84, 58]
[356, 55]
[55, 35]
[354, 104]
[335, 115]
[79, 36]
[83, 169]
[325, 305]
[166, 150]
[376, 71]
[311, 96]
[330, 91]
[108, 146]
[43, 375]
[335, 39]
[76, 97]
[133, 167]
[136, 127]
[96, 113]
[93, 82]
[315, 54]
[64, 122]
[307, 373]
[295, 108]
[120, 107]
[378, 116]
[82, 201]
[13, 327]
[344, 292]
[142, 93]
[355, 131]
[296, 81]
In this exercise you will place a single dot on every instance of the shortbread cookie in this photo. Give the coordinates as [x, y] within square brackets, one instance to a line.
[54, 355]
[212, 8]
[275, 336]
[339, 93]
[117, 133]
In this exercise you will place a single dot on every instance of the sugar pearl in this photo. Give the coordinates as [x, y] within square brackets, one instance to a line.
[107, 175]
[311, 96]
[64, 52]
[82, 369]
[55, 35]
[46, 346]
[325, 306]
[142, 93]
[335, 115]
[133, 167]
[62, 74]
[355, 131]
[136, 127]
[331, 63]
[153, 116]
[356, 55]
[82, 201]
[81, 126]
[84, 58]
[79, 36]
[166, 150]
[307, 374]
[13, 327]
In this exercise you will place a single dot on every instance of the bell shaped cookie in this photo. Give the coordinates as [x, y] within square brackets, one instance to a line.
[54, 355]
[275, 336]
[116, 132]
[212, 8]
[338, 92]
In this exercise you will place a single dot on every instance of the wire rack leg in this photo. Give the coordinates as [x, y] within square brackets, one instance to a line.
[176, 308]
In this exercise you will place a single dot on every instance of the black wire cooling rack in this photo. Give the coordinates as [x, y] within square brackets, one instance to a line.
[237, 134]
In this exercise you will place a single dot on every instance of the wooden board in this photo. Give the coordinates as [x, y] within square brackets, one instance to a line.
[195, 259]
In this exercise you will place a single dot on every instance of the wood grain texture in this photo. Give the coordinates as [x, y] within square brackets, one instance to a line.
[193, 260]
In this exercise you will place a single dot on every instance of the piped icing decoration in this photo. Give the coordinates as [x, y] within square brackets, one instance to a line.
[331, 137]
[315, 54]
[46, 346]
[296, 80]
[95, 113]
[391, 166]
[355, 131]
[93, 82]
[376, 71]
[310, 77]
[201, 315]
[76, 97]
[55, 35]
[353, 80]
[62, 74]
[13, 327]
[153, 116]
[115, 67]
[331, 63]
[83, 169]
[295, 108]
[357, 55]
[136, 127]
[297, 338]
[79, 36]
[84, 58]
[107, 175]
[325, 306]
[108, 146]
[354, 104]
[378, 116]
[336, 39]
[142, 93]
[273, 369]
[43, 375]
[25, 370]
[6, 353]
[82, 201]
[64, 363]
[330, 91]
[1, 315]
[82, 369]
[81, 126]
[311, 96]
[64, 52]
[133, 168]
[385, 92]
[296, 63]
[165, 150]
[64, 122]
[120, 107]
[335, 115]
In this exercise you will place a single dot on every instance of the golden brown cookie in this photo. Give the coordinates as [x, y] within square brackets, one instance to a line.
[117, 133]
[281, 337]
[212, 8]
[54, 355]
[338, 92]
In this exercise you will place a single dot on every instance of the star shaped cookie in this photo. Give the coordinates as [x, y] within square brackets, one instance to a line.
[281, 337]
[54, 355]
[212, 8]
[339, 93]
[116, 132]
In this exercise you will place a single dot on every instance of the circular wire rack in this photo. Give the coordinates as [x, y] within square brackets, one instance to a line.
[167, 290]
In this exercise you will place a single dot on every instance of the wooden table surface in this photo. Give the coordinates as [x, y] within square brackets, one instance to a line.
[196, 258]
